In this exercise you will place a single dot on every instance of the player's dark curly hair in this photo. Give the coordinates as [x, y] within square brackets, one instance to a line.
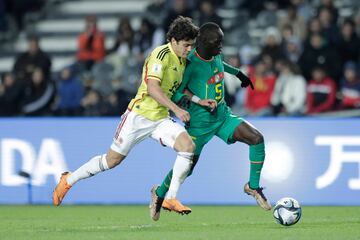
[182, 28]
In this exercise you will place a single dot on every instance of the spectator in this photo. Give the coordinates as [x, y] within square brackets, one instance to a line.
[117, 102]
[34, 58]
[329, 5]
[289, 94]
[128, 60]
[92, 104]
[314, 28]
[91, 44]
[329, 29]
[286, 32]
[257, 101]
[321, 92]
[271, 44]
[124, 40]
[38, 96]
[348, 45]
[123, 50]
[350, 86]
[10, 95]
[293, 49]
[295, 21]
[70, 93]
[144, 40]
[269, 64]
[319, 54]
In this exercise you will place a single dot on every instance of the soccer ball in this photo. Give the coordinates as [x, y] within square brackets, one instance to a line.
[287, 211]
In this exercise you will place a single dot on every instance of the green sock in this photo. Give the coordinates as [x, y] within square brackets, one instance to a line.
[257, 156]
[162, 190]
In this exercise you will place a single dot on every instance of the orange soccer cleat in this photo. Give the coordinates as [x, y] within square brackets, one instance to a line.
[61, 189]
[174, 205]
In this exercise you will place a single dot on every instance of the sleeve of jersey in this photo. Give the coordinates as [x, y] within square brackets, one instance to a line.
[155, 68]
[230, 69]
[179, 93]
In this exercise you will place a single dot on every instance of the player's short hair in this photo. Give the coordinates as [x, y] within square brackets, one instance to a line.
[208, 30]
[182, 28]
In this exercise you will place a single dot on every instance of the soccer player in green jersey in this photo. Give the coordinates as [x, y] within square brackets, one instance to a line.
[204, 79]
[148, 114]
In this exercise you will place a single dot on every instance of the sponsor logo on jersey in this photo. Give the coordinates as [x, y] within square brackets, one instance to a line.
[216, 78]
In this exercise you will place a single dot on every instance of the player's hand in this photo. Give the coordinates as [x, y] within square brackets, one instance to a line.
[210, 103]
[184, 102]
[182, 115]
[245, 80]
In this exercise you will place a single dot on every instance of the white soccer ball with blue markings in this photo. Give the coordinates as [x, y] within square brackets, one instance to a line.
[287, 211]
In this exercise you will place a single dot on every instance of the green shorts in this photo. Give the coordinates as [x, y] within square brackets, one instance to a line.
[223, 129]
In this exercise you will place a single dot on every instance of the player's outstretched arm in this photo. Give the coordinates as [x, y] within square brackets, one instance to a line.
[245, 80]
[157, 93]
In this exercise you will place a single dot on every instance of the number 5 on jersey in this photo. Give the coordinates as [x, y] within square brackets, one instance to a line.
[218, 91]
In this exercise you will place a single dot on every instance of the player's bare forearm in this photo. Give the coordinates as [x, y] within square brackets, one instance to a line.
[211, 103]
[157, 93]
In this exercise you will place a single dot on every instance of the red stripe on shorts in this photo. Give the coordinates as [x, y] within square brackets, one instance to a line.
[161, 142]
[121, 124]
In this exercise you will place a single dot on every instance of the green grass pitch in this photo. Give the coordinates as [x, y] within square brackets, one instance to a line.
[205, 222]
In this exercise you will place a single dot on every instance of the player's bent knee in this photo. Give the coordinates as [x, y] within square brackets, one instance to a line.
[186, 146]
[184, 143]
[257, 139]
[190, 146]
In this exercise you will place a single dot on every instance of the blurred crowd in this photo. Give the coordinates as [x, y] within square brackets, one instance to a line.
[306, 63]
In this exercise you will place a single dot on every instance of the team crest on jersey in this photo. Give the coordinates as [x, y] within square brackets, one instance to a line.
[156, 68]
[216, 78]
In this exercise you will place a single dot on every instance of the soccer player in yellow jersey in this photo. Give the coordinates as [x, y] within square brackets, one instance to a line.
[148, 115]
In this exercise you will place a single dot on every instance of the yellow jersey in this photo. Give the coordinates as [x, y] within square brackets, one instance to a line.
[166, 67]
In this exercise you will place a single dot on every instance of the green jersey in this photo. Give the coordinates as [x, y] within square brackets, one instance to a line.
[205, 79]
